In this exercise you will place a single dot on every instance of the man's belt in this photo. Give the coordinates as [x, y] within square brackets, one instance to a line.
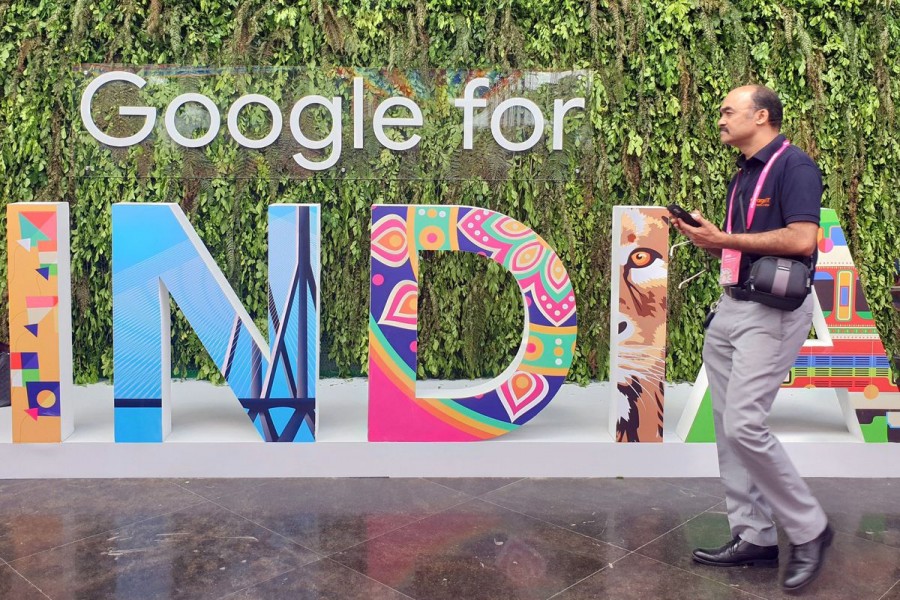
[737, 292]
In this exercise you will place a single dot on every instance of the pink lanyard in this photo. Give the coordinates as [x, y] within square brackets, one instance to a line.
[759, 184]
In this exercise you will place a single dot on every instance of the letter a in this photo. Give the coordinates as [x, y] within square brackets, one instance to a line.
[848, 355]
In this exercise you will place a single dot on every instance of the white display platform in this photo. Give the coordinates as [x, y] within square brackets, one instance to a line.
[212, 437]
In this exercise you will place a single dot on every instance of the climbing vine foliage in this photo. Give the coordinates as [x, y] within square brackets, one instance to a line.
[659, 69]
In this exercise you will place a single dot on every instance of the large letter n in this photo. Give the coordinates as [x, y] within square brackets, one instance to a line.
[156, 253]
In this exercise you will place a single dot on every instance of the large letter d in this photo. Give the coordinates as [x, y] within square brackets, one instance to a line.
[548, 338]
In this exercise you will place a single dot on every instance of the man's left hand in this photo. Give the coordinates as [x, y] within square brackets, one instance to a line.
[706, 236]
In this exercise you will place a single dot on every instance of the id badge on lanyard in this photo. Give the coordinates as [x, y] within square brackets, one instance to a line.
[730, 270]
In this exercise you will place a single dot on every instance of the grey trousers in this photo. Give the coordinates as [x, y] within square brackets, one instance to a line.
[748, 351]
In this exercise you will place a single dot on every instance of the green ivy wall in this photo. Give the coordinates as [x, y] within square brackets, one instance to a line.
[660, 70]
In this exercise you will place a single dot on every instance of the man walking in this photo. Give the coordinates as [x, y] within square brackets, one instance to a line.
[774, 201]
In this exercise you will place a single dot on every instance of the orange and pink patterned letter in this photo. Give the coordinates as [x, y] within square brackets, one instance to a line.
[40, 321]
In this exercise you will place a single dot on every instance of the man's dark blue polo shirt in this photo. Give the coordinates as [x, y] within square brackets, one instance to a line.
[792, 192]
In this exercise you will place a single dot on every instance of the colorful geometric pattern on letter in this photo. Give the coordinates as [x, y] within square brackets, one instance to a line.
[855, 361]
[848, 354]
[156, 253]
[40, 321]
[502, 405]
[638, 323]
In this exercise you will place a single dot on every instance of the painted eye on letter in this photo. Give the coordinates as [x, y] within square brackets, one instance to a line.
[641, 257]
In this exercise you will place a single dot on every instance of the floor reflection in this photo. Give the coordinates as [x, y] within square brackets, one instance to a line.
[390, 539]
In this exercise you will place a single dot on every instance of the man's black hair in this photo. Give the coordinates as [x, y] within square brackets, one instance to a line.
[765, 99]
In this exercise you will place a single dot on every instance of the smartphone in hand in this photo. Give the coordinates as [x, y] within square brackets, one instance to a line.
[679, 213]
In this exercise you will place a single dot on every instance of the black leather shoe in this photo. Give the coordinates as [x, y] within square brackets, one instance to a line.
[806, 561]
[736, 553]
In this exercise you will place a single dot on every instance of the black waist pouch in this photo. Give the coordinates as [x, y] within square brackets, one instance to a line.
[778, 282]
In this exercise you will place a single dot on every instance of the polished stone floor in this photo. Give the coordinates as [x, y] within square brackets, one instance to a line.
[374, 539]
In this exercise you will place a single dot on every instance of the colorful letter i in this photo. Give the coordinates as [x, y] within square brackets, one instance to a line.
[40, 321]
